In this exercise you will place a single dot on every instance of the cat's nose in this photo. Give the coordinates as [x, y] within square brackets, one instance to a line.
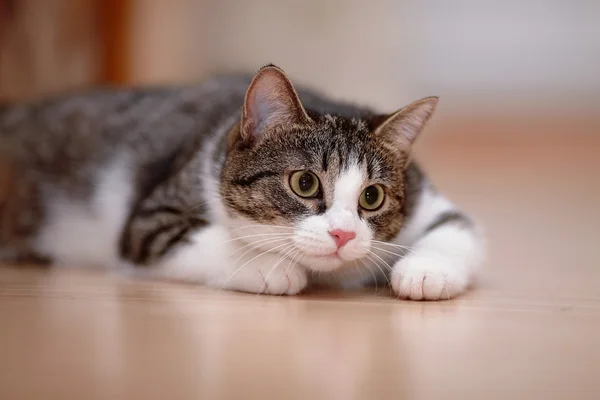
[342, 237]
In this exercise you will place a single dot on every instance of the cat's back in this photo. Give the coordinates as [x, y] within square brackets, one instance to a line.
[79, 133]
[72, 167]
[117, 114]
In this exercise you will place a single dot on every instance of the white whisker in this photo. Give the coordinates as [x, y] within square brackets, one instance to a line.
[257, 244]
[398, 246]
[376, 263]
[407, 249]
[291, 228]
[385, 263]
[263, 226]
[257, 235]
[253, 246]
[370, 272]
[389, 252]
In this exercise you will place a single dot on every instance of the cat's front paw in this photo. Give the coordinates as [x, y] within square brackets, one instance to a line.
[267, 274]
[288, 280]
[422, 276]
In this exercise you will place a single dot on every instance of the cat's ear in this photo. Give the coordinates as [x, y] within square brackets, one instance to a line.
[271, 101]
[403, 126]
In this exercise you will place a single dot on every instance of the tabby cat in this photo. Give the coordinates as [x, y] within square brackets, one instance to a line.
[240, 183]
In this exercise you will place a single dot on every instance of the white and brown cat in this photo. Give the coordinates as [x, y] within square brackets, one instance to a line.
[236, 183]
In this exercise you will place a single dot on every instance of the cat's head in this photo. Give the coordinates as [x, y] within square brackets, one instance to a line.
[318, 187]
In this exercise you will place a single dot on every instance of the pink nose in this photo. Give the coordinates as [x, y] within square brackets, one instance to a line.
[342, 237]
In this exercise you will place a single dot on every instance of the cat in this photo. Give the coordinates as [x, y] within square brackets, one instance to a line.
[240, 182]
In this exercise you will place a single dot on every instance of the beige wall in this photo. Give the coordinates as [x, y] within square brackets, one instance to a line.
[512, 57]
[314, 41]
[481, 57]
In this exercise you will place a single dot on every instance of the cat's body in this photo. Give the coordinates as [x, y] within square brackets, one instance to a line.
[216, 184]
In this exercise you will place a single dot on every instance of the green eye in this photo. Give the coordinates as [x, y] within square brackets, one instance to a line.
[304, 183]
[372, 198]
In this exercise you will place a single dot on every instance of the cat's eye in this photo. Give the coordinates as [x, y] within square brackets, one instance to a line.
[372, 198]
[304, 184]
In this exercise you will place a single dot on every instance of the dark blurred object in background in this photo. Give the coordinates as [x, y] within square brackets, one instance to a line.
[51, 46]
[7, 8]
[522, 67]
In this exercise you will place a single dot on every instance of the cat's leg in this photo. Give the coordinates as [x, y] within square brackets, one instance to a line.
[444, 249]
[211, 257]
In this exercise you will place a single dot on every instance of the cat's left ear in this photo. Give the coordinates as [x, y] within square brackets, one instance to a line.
[271, 102]
[403, 126]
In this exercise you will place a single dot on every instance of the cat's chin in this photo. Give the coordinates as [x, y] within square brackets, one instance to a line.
[323, 263]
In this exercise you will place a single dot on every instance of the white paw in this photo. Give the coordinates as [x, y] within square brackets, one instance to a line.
[422, 276]
[267, 274]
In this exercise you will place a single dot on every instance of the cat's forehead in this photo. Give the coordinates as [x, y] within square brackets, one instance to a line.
[330, 134]
[339, 123]
[333, 144]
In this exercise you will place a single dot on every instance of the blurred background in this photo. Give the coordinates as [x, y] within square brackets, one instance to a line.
[533, 59]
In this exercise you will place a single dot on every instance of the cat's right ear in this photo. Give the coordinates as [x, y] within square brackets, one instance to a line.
[271, 102]
[403, 126]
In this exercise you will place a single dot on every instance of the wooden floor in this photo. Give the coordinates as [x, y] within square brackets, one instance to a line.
[529, 330]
